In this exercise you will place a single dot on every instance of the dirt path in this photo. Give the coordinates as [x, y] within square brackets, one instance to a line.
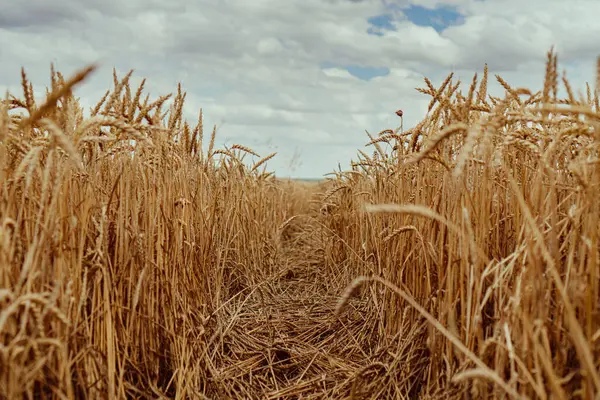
[284, 342]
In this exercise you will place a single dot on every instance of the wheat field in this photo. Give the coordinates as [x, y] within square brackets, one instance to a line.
[457, 259]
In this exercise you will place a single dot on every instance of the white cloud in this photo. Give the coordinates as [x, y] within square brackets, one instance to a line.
[272, 75]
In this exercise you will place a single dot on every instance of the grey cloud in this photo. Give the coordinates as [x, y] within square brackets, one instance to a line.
[36, 14]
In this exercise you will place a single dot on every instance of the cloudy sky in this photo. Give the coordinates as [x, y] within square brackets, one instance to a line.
[304, 78]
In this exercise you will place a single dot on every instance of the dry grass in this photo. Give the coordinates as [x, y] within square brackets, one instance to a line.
[460, 260]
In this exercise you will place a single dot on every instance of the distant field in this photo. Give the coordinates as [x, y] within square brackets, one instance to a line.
[308, 179]
[464, 263]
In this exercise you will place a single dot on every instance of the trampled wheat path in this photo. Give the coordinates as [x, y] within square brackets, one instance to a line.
[282, 339]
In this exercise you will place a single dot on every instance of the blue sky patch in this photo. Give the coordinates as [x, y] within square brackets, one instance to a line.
[380, 23]
[439, 18]
[363, 73]
[367, 73]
